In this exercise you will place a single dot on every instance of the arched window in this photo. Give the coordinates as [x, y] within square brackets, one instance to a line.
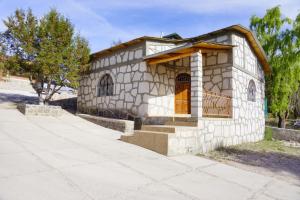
[251, 91]
[105, 86]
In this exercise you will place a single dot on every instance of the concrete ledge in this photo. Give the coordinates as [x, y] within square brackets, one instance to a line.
[125, 126]
[41, 110]
[285, 134]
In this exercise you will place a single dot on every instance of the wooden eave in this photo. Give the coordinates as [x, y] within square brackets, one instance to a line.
[184, 51]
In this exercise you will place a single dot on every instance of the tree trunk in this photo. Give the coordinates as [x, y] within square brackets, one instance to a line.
[41, 100]
[46, 102]
[282, 120]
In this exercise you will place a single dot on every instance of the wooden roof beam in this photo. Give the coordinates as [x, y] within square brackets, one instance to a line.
[162, 60]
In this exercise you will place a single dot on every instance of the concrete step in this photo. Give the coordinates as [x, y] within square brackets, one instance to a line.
[161, 120]
[126, 138]
[183, 119]
[181, 123]
[155, 141]
[158, 128]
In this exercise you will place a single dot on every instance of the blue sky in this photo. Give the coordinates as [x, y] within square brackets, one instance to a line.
[105, 21]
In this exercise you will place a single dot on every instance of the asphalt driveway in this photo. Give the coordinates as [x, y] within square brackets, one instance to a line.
[43, 158]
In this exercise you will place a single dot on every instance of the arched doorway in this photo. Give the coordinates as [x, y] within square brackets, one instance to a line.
[183, 94]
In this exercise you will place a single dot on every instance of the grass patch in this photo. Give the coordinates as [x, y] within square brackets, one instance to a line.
[273, 156]
[269, 146]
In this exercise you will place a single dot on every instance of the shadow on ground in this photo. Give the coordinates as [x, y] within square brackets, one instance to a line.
[273, 161]
[17, 98]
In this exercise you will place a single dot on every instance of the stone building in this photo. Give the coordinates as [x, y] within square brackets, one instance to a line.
[185, 95]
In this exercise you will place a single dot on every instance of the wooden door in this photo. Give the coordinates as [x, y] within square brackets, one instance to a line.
[183, 94]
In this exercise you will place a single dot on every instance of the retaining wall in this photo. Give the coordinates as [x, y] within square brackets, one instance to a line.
[124, 126]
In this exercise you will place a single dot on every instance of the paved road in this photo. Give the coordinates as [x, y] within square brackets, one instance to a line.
[68, 158]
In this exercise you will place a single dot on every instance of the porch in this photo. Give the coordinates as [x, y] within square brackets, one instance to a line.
[200, 81]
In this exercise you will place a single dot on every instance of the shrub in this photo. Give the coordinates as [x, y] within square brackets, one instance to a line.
[268, 134]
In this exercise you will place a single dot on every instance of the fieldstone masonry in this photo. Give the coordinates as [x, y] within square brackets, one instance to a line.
[142, 91]
[156, 47]
[217, 73]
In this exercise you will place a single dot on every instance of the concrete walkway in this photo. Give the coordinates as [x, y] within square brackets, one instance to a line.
[68, 158]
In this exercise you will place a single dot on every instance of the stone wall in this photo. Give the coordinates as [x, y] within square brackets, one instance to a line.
[127, 71]
[130, 90]
[153, 47]
[244, 57]
[129, 55]
[224, 38]
[217, 72]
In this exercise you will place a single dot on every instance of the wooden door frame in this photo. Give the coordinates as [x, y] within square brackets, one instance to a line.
[189, 92]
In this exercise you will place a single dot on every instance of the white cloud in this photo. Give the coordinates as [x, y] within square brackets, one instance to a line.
[90, 19]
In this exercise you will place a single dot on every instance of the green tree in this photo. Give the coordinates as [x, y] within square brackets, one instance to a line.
[2, 60]
[48, 49]
[8, 62]
[277, 37]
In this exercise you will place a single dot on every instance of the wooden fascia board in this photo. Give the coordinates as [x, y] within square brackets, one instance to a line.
[153, 61]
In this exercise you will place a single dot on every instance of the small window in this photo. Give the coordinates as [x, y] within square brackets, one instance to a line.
[251, 91]
[105, 86]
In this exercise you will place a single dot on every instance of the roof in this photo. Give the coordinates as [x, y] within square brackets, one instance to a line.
[173, 36]
[257, 48]
[133, 42]
[254, 43]
[184, 51]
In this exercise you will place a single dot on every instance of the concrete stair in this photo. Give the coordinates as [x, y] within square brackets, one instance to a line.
[158, 128]
[155, 137]
[181, 121]
[155, 141]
